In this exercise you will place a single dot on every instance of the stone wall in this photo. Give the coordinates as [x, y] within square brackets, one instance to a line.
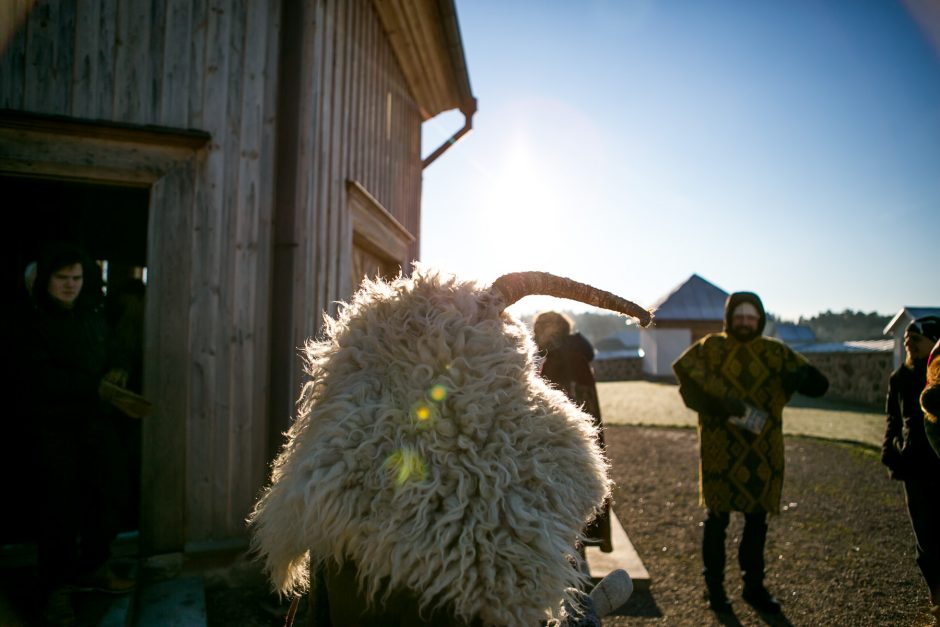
[860, 377]
[619, 369]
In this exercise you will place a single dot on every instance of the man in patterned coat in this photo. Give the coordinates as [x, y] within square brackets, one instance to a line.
[739, 382]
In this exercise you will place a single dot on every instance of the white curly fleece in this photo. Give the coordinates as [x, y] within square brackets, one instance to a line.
[429, 453]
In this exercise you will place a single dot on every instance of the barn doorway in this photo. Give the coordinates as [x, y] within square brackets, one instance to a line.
[110, 223]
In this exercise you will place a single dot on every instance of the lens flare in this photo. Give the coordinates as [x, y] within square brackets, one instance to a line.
[438, 393]
[423, 412]
[408, 465]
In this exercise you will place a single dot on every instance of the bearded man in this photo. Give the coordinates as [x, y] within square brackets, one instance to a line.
[739, 382]
[907, 452]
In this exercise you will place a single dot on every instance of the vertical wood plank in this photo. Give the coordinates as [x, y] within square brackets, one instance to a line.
[85, 69]
[350, 74]
[319, 189]
[102, 98]
[166, 377]
[132, 80]
[197, 62]
[228, 416]
[248, 355]
[155, 60]
[211, 312]
[13, 57]
[50, 40]
[337, 156]
[175, 74]
[265, 326]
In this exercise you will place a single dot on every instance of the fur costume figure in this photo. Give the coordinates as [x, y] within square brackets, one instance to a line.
[930, 400]
[430, 456]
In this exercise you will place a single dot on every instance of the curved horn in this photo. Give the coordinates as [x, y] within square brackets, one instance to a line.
[512, 287]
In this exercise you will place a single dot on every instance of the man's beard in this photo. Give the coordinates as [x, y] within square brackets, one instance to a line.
[917, 365]
[743, 334]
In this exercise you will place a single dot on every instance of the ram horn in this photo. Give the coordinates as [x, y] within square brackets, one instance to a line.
[515, 285]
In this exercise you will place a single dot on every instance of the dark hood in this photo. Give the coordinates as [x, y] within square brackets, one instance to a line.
[745, 297]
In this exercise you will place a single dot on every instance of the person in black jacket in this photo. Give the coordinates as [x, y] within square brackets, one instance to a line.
[79, 459]
[567, 366]
[907, 452]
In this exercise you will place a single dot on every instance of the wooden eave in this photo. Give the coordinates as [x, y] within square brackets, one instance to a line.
[425, 38]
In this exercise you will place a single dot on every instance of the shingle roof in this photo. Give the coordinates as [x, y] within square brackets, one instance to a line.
[696, 299]
[794, 333]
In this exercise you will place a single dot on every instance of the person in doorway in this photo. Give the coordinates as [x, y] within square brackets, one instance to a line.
[907, 452]
[566, 365]
[739, 383]
[79, 464]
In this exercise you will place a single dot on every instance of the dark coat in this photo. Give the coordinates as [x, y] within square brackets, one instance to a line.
[66, 353]
[906, 451]
[718, 377]
[568, 368]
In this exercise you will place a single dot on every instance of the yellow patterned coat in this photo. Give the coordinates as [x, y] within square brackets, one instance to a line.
[740, 470]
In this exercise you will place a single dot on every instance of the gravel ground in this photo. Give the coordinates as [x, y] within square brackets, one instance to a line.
[841, 552]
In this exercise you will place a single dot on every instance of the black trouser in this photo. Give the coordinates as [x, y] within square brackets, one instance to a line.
[80, 497]
[750, 551]
[923, 507]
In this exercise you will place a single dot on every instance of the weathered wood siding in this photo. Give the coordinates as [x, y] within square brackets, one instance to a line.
[356, 120]
[185, 64]
[366, 128]
[216, 66]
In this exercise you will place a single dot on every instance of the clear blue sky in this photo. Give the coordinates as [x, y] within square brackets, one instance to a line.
[789, 148]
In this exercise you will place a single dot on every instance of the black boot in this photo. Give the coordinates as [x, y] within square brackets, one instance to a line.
[713, 556]
[762, 601]
[717, 599]
[751, 560]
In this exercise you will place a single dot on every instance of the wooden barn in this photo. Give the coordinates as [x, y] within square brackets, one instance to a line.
[250, 160]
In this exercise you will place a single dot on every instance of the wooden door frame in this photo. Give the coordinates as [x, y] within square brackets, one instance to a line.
[165, 161]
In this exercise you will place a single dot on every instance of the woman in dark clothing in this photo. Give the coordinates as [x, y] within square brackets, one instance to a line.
[907, 452]
[80, 467]
[567, 366]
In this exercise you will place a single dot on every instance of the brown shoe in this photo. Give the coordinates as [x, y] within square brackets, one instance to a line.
[104, 580]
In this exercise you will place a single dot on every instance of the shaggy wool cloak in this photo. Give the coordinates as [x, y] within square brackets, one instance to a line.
[740, 470]
[930, 400]
[429, 455]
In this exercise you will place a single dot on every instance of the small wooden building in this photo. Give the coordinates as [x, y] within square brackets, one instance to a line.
[898, 325]
[686, 314]
[251, 159]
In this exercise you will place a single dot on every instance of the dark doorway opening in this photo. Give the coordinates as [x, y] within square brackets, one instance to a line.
[110, 223]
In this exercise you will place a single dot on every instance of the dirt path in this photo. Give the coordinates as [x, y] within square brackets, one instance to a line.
[841, 552]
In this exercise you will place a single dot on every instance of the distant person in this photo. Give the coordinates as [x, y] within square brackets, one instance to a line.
[567, 366]
[81, 472]
[907, 452]
[739, 382]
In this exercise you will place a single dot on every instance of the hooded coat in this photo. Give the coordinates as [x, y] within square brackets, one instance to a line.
[430, 464]
[568, 368]
[740, 470]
